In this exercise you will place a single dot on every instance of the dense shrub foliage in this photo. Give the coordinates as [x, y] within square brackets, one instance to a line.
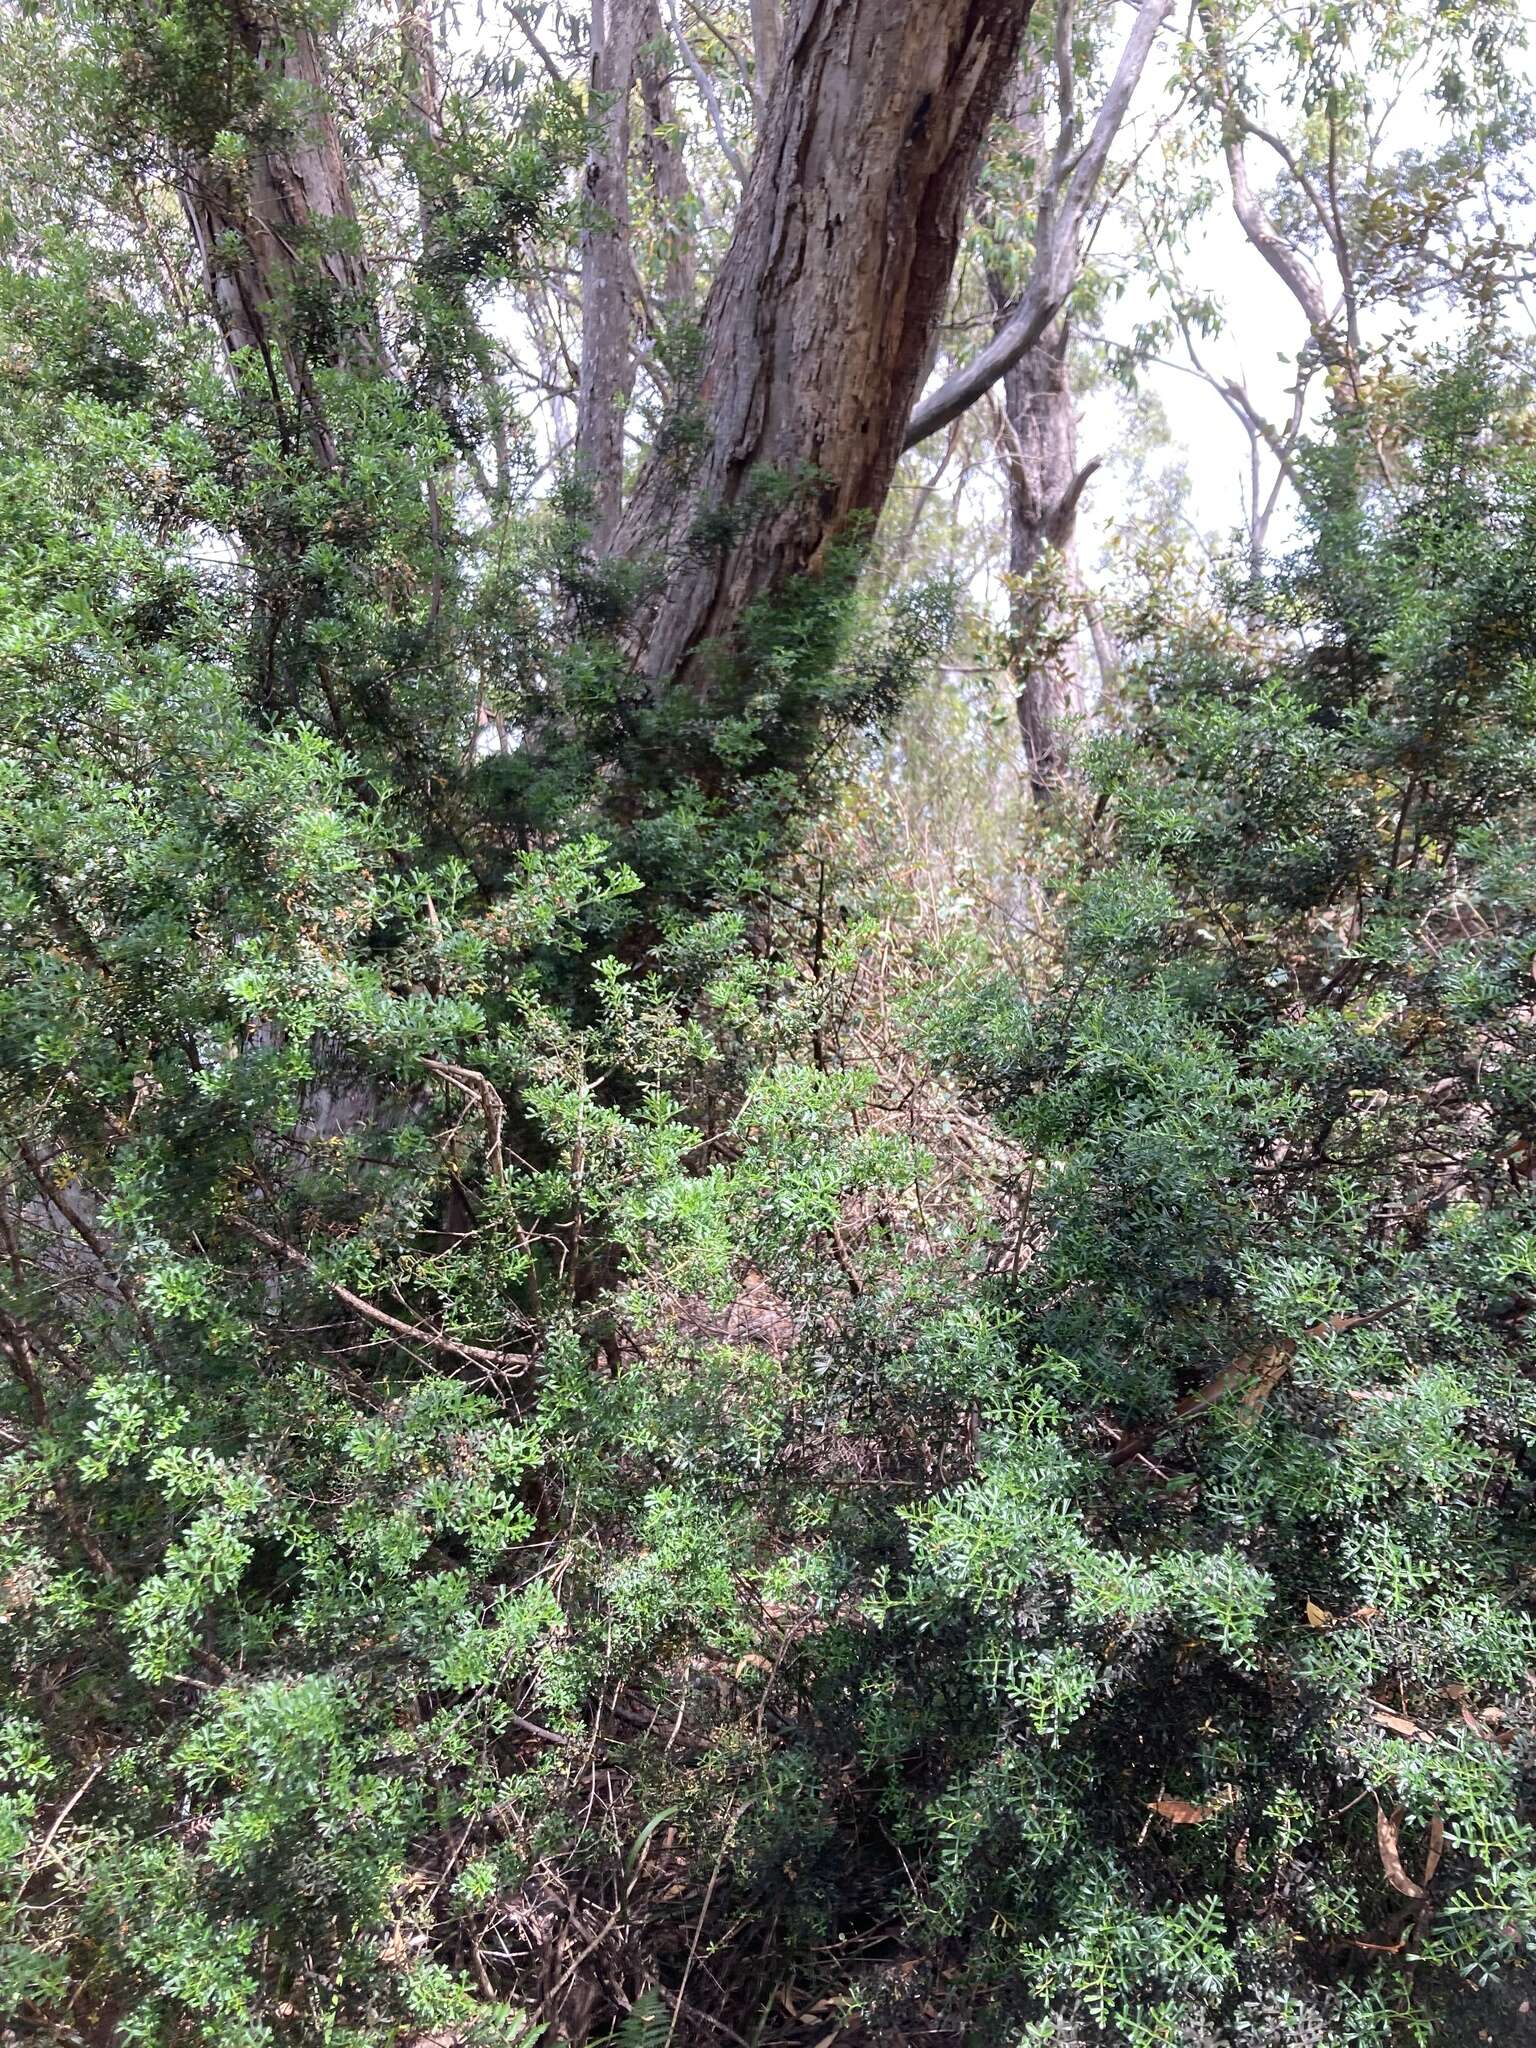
[1247, 1547]
[591, 1454]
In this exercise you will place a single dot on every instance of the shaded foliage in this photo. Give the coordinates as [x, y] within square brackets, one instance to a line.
[555, 1480]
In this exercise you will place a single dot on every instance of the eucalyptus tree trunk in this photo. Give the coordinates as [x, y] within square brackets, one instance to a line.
[1044, 489]
[281, 220]
[815, 334]
[818, 327]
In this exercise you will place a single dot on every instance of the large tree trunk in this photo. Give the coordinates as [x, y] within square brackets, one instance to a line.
[815, 334]
[818, 327]
[283, 218]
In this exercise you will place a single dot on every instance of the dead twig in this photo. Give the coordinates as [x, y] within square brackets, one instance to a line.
[410, 1333]
[1256, 1375]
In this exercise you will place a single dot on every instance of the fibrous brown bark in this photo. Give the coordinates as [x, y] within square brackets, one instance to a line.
[819, 324]
[767, 42]
[286, 211]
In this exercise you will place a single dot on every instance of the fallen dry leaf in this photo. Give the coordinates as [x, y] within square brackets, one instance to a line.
[1399, 1724]
[1388, 1827]
[1182, 1812]
[1185, 1814]
[1500, 1737]
[1321, 1617]
[1436, 1845]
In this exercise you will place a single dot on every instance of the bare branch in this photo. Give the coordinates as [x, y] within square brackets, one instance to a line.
[707, 93]
[408, 1333]
[1294, 271]
[1062, 213]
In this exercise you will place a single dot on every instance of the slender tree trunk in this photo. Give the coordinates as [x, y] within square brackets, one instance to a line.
[667, 170]
[1045, 486]
[607, 362]
[281, 220]
[818, 327]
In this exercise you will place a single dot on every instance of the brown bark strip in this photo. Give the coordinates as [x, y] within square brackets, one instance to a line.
[767, 42]
[1388, 1829]
[817, 330]
[486, 1098]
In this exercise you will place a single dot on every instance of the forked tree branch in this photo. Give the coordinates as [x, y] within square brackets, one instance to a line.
[1063, 209]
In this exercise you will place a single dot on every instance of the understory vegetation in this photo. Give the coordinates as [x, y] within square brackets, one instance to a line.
[620, 1425]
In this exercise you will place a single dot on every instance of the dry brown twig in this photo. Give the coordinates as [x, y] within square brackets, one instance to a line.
[411, 1333]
